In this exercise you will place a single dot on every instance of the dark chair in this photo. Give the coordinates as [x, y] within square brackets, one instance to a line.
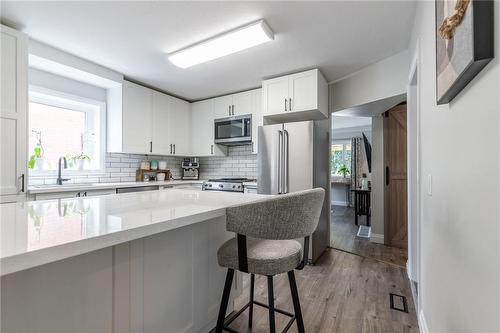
[265, 244]
[362, 205]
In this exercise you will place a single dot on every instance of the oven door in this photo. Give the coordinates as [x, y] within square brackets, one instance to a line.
[233, 130]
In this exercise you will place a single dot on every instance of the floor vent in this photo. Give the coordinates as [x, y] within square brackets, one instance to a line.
[364, 231]
[398, 302]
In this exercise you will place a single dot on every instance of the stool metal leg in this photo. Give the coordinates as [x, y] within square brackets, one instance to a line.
[296, 302]
[250, 313]
[225, 300]
[270, 296]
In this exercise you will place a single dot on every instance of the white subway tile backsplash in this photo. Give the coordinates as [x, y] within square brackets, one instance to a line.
[240, 162]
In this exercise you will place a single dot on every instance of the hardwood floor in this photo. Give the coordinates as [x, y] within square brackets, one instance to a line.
[341, 293]
[343, 237]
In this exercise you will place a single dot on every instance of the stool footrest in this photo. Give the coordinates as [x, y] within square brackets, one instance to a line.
[236, 315]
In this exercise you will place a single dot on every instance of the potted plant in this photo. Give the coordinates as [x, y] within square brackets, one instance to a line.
[344, 170]
[79, 160]
[36, 159]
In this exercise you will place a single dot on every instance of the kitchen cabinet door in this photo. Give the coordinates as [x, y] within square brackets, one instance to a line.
[161, 124]
[13, 114]
[202, 127]
[179, 128]
[242, 103]
[222, 106]
[303, 91]
[257, 119]
[137, 118]
[275, 95]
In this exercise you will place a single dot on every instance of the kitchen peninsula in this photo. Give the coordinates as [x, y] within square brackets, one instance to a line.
[132, 262]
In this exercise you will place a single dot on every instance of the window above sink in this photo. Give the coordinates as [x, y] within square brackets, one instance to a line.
[66, 125]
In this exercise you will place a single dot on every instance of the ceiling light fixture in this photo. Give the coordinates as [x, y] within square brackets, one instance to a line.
[226, 43]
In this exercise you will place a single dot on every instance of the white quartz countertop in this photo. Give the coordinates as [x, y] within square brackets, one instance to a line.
[98, 186]
[39, 232]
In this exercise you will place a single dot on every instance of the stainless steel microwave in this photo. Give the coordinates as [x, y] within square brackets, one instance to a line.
[233, 131]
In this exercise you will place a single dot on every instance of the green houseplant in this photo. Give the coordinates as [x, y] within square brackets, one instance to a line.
[36, 159]
[344, 170]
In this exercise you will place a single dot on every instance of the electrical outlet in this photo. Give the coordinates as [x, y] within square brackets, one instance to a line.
[429, 185]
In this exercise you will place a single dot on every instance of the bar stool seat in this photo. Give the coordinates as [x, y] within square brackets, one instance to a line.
[265, 257]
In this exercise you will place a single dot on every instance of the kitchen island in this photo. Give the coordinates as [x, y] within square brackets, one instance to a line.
[132, 262]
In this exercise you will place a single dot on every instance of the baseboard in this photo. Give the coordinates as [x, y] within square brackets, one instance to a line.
[377, 238]
[340, 203]
[422, 324]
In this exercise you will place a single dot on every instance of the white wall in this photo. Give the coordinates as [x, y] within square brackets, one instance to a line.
[377, 179]
[378, 81]
[55, 82]
[460, 286]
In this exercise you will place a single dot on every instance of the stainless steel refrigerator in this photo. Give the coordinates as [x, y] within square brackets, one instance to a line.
[294, 157]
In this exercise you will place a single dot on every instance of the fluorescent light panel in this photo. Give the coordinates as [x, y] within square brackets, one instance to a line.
[230, 42]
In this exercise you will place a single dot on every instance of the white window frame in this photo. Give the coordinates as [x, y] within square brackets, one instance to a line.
[60, 99]
[343, 143]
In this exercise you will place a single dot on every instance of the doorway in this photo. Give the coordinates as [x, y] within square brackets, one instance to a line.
[354, 146]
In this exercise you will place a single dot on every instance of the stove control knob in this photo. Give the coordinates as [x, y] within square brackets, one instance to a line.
[210, 185]
[234, 186]
[221, 186]
[239, 186]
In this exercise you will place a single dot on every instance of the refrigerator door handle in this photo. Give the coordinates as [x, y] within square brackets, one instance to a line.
[280, 162]
[285, 160]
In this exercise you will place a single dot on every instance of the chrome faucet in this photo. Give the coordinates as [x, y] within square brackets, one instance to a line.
[60, 180]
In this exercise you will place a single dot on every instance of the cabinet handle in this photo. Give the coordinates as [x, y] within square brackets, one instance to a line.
[212, 149]
[253, 147]
[170, 148]
[85, 193]
[285, 105]
[150, 146]
[229, 108]
[387, 176]
[290, 104]
[174, 148]
[233, 109]
[22, 183]
[78, 194]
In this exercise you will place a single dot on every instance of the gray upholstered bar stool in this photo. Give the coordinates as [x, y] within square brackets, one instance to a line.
[265, 244]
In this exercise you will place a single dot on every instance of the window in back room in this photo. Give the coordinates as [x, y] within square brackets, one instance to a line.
[341, 157]
[62, 125]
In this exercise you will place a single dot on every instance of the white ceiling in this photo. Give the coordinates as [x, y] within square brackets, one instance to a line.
[133, 38]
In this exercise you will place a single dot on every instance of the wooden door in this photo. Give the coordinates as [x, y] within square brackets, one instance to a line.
[395, 190]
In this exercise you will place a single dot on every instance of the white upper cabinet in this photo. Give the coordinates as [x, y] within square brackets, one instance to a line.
[233, 105]
[223, 106]
[275, 96]
[242, 103]
[296, 97]
[145, 121]
[137, 118]
[179, 126]
[161, 124]
[13, 114]
[202, 129]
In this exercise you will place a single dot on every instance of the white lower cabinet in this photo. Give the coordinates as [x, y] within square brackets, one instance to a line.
[73, 194]
[202, 129]
[13, 114]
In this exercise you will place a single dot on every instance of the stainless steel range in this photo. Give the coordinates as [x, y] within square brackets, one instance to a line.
[226, 184]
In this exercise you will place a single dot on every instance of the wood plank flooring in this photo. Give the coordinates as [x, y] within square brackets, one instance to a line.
[342, 293]
[343, 237]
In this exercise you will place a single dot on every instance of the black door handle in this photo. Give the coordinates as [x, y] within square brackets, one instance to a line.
[387, 176]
